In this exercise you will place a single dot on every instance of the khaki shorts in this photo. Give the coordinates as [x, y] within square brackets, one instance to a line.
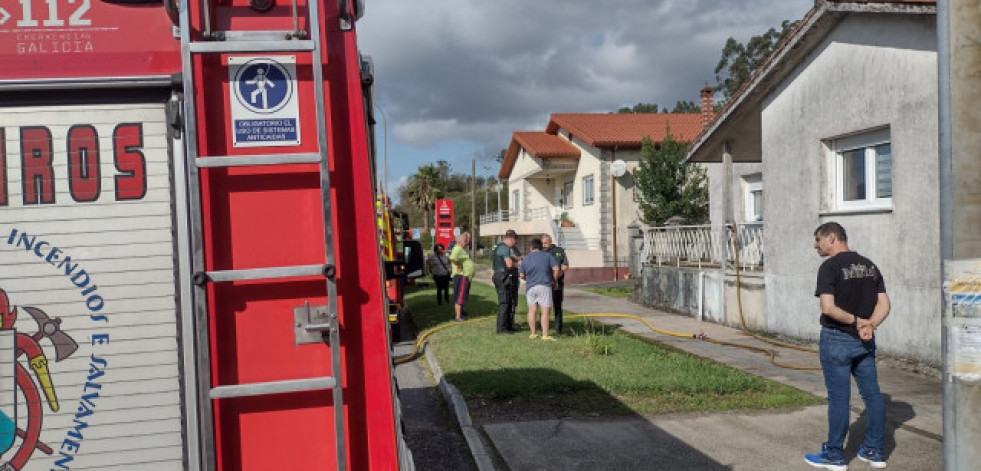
[540, 295]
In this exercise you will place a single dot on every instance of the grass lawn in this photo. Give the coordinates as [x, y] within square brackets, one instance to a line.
[611, 291]
[592, 370]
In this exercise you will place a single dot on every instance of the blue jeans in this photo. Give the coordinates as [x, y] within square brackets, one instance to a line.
[841, 357]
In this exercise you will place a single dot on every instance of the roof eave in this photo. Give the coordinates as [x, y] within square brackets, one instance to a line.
[750, 92]
[509, 159]
[816, 24]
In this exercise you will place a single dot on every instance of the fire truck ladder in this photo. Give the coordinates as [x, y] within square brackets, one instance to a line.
[205, 40]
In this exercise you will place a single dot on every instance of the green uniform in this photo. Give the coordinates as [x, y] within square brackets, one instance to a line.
[557, 289]
[561, 259]
[500, 251]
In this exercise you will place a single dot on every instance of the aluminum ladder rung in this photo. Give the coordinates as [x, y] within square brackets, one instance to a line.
[202, 424]
[273, 387]
[253, 160]
[265, 273]
[252, 46]
[259, 35]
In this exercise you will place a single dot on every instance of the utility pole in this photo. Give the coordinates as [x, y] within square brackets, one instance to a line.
[958, 58]
[473, 208]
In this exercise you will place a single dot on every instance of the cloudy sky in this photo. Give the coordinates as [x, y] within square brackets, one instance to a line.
[456, 77]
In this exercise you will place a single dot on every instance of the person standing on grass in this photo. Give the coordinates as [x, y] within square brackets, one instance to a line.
[540, 271]
[515, 283]
[462, 272]
[854, 303]
[504, 264]
[439, 266]
[557, 288]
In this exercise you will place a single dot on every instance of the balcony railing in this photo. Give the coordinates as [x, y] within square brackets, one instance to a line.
[705, 245]
[543, 213]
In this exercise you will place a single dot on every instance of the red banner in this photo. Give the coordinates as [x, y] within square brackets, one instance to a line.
[444, 222]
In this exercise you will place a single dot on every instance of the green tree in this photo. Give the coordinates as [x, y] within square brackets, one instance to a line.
[501, 155]
[666, 186]
[424, 188]
[444, 169]
[686, 107]
[739, 60]
[640, 108]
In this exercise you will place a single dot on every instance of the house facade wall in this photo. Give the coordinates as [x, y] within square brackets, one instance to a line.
[587, 216]
[595, 220]
[538, 196]
[524, 165]
[872, 71]
[627, 211]
[719, 213]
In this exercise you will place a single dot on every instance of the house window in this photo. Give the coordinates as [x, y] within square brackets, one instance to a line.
[587, 190]
[753, 197]
[515, 202]
[863, 171]
[567, 195]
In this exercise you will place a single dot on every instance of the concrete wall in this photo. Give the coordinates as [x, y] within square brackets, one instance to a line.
[871, 71]
[587, 217]
[718, 212]
[524, 165]
[677, 289]
[751, 300]
[627, 211]
[539, 195]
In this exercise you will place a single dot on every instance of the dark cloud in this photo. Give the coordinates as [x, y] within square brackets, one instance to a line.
[476, 70]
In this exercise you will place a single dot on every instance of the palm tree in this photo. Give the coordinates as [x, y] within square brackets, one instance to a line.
[424, 189]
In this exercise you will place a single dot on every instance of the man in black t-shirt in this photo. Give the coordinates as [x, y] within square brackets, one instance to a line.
[854, 303]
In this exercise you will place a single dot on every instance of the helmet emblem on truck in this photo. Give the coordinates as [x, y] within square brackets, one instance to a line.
[23, 382]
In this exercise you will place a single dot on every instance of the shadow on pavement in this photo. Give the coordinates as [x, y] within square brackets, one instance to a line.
[429, 428]
[593, 431]
[897, 413]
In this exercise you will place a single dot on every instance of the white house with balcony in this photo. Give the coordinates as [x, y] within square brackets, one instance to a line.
[839, 124]
[574, 180]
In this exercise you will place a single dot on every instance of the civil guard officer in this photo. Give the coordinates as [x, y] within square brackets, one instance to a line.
[504, 261]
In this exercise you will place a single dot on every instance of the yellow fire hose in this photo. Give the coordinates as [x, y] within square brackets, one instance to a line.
[772, 354]
[742, 320]
[742, 323]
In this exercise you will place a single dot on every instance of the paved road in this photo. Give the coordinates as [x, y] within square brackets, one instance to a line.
[430, 431]
[734, 440]
[744, 440]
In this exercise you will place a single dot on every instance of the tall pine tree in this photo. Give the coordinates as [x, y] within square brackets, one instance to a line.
[667, 187]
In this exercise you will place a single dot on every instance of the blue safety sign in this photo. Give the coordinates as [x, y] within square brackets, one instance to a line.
[264, 106]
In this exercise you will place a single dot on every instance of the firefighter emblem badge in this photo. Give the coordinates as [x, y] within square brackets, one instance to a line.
[24, 380]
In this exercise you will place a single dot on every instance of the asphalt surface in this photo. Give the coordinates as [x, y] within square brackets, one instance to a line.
[734, 440]
[431, 432]
[756, 440]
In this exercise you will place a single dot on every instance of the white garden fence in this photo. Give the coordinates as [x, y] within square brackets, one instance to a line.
[704, 245]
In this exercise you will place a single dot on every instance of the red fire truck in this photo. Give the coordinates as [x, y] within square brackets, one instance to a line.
[402, 258]
[189, 269]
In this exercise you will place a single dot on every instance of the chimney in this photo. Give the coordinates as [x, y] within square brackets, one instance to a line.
[707, 112]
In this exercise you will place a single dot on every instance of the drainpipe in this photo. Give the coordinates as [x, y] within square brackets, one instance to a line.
[701, 295]
[613, 195]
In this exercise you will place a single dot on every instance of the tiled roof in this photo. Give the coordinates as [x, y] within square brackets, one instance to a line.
[539, 144]
[546, 146]
[882, 1]
[780, 51]
[625, 129]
